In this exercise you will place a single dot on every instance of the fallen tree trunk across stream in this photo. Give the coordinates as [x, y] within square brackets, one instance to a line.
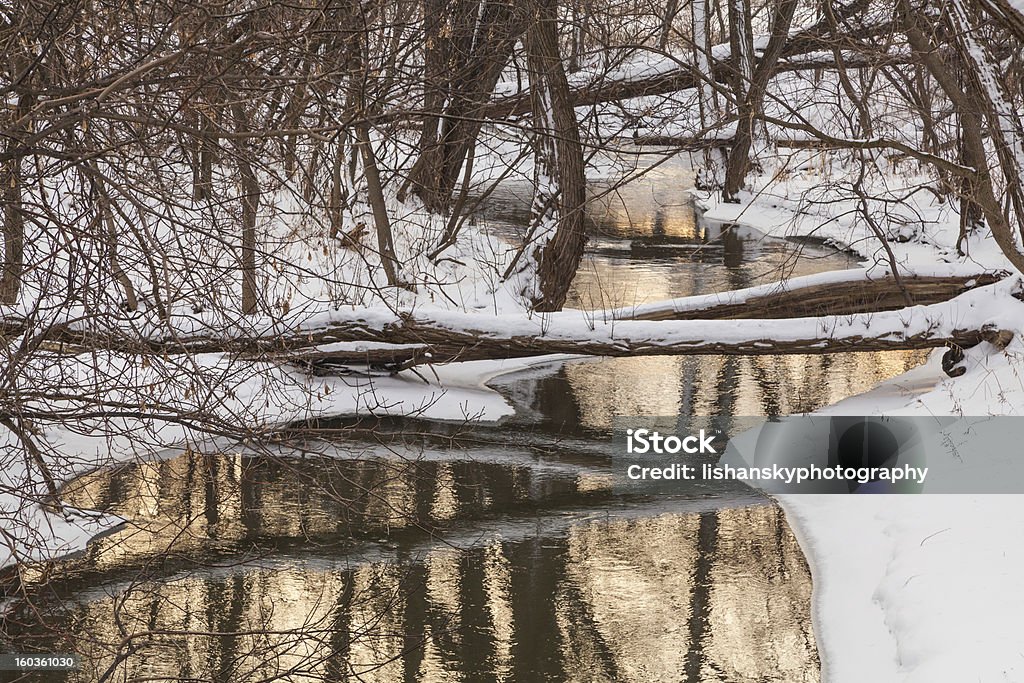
[812, 48]
[782, 318]
[824, 313]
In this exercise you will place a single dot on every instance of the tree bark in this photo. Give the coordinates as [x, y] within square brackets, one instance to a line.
[14, 233]
[411, 340]
[752, 102]
[13, 266]
[467, 48]
[441, 345]
[966, 101]
[671, 10]
[131, 301]
[558, 236]
[378, 205]
[250, 198]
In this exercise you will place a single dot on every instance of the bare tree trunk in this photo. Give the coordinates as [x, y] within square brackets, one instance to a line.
[575, 39]
[131, 301]
[14, 233]
[358, 103]
[468, 44]
[702, 60]
[203, 173]
[752, 102]
[13, 216]
[250, 205]
[207, 147]
[710, 176]
[978, 185]
[560, 183]
[671, 9]
[378, 204]
[338, 190]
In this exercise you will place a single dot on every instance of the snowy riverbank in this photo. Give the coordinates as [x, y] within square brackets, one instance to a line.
[915, 589]
[908, 589]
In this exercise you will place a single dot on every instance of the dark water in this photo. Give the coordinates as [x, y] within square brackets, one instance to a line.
[415, 551]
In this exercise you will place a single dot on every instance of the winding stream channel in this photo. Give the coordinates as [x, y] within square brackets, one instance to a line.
[410, 550]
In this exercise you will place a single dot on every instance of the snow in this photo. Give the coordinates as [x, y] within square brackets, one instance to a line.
[922, 588]
[792, 200]
[908, 589]
[361, 346]
[833, 277]
[917, 589]
[969, 311]
[914, 589]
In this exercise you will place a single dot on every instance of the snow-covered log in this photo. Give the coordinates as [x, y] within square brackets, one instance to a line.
[959, 322]
[841, 292]
[809, 49]
[770, 319]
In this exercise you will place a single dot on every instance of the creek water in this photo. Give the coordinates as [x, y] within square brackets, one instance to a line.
[408, 550]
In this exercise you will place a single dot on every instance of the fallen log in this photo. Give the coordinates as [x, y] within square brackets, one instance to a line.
[842, 292]
[691, 143]
[462, 349]
[806, 50]
[961, 322]
[824, 313]
[590, 93]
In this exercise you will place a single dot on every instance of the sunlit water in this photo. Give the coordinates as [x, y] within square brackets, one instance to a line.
[440, 552]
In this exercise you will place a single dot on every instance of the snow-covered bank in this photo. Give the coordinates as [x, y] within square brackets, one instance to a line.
[916, 589]
[812, 194]
[907, 589]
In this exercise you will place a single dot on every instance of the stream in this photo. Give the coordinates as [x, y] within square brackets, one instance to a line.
[412, 550]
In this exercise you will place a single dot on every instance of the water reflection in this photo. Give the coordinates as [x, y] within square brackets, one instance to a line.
[193, 504]
[587, 395]
[719, 595]
[648, 245]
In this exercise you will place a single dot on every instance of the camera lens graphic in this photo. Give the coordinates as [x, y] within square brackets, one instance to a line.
[867, 444]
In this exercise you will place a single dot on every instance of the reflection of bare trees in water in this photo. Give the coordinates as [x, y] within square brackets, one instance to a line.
[194, 503]
[646, 599]
[700, 610]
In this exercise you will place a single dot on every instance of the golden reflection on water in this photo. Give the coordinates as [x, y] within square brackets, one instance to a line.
[719, 595]
[194, 503]
[719, 385]
[706, 385]
[655, 205]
